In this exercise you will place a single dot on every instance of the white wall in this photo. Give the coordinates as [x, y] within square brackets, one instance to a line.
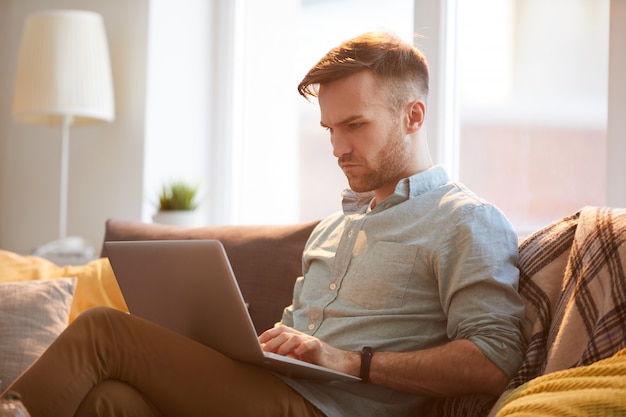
[106, 161]
[164, 53]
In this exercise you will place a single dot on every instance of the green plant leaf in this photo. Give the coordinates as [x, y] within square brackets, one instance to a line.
[178, 195]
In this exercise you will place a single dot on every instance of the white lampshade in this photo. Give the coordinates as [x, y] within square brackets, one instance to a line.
[63, 70]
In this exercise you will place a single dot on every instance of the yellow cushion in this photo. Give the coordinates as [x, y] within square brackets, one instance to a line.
[96, 282]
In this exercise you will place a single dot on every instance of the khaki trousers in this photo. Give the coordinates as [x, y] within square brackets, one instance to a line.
[108, 363]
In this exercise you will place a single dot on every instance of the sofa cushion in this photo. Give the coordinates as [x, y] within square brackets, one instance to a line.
[32, 315]
[266, 259]
[96, 285]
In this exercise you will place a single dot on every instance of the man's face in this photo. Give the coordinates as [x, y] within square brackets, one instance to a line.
[367, 137]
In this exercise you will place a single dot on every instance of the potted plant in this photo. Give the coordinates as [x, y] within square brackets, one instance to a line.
[177, 204]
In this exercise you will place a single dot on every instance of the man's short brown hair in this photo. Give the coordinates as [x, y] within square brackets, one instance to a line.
[386, 56]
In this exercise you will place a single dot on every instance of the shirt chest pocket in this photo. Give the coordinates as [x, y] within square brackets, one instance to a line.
[378, 278]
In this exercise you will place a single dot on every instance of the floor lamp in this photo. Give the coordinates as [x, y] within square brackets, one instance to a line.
[64, 78]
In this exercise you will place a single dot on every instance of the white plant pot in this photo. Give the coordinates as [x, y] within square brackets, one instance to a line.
[183, 218]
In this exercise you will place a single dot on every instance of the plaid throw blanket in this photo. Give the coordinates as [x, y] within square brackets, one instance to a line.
[576, 317]
[573, 281]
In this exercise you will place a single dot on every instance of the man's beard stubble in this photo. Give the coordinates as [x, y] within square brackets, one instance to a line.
[389, 163]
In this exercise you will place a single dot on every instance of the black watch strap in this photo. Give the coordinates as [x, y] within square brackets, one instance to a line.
[366, 361]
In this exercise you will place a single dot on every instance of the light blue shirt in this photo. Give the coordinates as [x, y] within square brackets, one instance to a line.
[429, 264]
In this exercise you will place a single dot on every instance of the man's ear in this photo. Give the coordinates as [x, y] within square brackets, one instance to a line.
[416, 113]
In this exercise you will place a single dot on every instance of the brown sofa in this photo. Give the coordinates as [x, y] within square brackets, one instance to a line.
[265, 259]
[571, 278]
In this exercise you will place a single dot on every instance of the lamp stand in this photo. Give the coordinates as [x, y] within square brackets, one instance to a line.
[66, 250]
[65, 156]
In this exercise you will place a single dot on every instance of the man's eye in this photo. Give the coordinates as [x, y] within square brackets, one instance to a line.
[354, 126]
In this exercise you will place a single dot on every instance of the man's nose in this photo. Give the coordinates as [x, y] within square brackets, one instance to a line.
[341, 146]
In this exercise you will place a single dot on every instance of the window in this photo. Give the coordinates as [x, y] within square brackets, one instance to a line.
[272, 161]
[518, 104]
[532, 79]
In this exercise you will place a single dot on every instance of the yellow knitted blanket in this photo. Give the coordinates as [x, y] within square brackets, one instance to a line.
[594, 390]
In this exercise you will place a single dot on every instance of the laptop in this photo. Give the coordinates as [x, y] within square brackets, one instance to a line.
[189, 287]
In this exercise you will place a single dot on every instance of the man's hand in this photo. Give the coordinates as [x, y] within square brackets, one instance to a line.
[456, 368]
[286, 341]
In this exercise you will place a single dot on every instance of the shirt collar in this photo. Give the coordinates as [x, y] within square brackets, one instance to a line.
[410, 187]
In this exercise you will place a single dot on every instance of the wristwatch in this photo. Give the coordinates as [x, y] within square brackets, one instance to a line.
[366, 361]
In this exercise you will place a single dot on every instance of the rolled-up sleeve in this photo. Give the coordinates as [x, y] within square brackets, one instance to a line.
[478, 283]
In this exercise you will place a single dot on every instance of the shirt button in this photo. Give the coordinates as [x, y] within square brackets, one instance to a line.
[311, 326]
[333, 286]
[350, 233]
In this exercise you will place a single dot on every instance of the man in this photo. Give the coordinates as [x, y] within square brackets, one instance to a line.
[413, 287]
